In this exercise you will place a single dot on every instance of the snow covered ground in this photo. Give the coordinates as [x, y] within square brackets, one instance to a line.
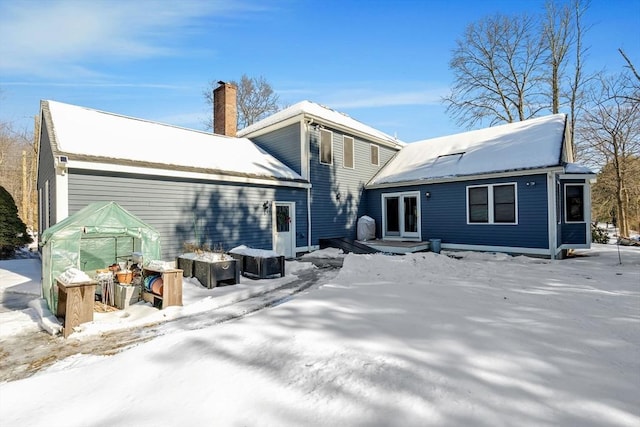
[422, 339]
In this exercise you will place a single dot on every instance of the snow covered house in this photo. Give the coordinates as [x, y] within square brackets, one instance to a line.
[189, 185]
[509, 188]
[309, 173]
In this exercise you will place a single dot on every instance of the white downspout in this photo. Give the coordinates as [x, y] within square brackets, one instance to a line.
[304, 147]
[551, 215]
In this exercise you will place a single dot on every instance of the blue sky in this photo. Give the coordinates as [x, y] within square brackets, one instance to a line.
[384, 63]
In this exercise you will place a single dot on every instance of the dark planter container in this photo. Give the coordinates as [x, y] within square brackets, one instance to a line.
[210, 274]
[260, 267]
[186, 265]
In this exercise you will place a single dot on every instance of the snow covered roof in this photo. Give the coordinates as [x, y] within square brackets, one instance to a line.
[529, 144]
[578, 169]
[324, 114]
[88, 134]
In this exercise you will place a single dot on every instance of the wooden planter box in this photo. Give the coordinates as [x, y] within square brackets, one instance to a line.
[260, 267]
[211, 273]
[172, 288]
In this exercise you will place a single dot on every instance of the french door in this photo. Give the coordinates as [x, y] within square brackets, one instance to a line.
[401, 215]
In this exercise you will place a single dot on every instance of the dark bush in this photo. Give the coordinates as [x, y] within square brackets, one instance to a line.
[13, 232]
[599, 235]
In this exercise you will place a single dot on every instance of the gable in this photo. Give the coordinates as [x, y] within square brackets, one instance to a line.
[312, 113]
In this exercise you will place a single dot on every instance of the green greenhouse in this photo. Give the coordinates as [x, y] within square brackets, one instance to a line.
[96, 236]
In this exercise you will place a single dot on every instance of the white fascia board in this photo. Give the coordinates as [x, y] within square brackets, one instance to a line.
[79, 164]
[465, 178]
[585, 176]
[305, 147]
[350, 131]
[505, 249]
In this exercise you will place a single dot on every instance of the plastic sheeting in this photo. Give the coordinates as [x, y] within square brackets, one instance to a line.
[366, 228]
[92, 238]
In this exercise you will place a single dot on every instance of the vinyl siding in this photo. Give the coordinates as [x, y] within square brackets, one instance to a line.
[283, 144]
[46, 172]
[332, 217]
[444, 214]
[213, 213]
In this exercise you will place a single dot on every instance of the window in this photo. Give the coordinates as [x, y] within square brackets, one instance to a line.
[347, 158]
[574, 203]
[504, 204]
[375, 159]
[326, 147]
[491, 204]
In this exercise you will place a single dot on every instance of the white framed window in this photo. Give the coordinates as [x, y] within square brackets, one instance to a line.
[347, 152]
[326, 147]
[375, 155]
[492, 204]
[401, 215]
[574, 203]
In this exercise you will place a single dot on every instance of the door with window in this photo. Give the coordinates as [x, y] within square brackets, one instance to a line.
[401, 216]
[284, 228]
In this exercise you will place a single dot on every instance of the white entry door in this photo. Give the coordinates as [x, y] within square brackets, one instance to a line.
[284, 228]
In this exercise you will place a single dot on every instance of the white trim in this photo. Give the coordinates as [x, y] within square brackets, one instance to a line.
[305, 143]
[486, 248]
[47, 206]
[490, 204]
[97, 166]
[320, 147]
[489, 175]
[62, 195]
[344, 151]
[309, 217]
[587, 213]
[584, 176]
[403, 235]
[552, 223]
[311, 118]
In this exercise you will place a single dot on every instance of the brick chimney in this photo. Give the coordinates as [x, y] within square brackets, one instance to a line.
[225, 110]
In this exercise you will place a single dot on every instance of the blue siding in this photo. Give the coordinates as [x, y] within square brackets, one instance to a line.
[214, 213]
[332, 217]
[283, 144]
[444, 214]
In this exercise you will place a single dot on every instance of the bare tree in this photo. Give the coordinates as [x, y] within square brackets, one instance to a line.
[610, 135]
[498, 69]
[511, 68]
[256, 99]
[563, 33]
[17, 161]
[634, 86]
